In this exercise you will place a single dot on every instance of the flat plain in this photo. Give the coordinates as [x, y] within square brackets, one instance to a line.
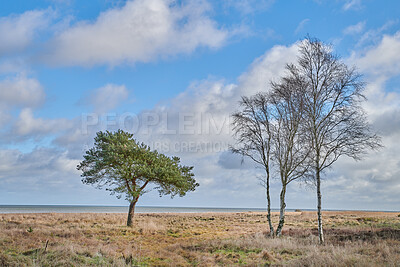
[198, 239]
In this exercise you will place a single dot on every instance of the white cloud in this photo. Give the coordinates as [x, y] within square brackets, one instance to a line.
[4, 118]
[35, 163]
[17, 92]
[68, 133]
[200, 116]
[42, 176]
[266, 68]
[384, 59]
[140, 31]
[29, 126]
[18, 31]
[374, 36]
[373, 183]
[301, 25]
[379, 64]
[106, 98]
[14, 65]
[21, 91]
[352, 5]
[354, 29]
[25, 95]
[380, 101]
[196, 122]
[388, 121]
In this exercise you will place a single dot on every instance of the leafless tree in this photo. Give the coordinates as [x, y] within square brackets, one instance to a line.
[334, 121]
[290, 154]
[267, 130]
[306, 122]
[252, 130]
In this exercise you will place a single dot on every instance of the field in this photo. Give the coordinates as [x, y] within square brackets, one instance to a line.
[201, 239]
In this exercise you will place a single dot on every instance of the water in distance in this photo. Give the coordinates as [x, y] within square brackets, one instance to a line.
[114, 209]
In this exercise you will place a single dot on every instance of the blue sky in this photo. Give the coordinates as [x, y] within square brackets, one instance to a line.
[172, 73]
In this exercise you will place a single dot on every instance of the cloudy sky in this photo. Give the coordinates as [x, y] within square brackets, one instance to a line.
[172, 72]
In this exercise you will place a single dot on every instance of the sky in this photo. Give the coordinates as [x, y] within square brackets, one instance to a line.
[172, 73]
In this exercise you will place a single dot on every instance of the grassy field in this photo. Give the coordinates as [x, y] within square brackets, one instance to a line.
[202, 239]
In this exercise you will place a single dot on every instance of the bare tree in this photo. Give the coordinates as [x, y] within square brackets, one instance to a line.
[334, 121]
[267, 130]
[311, 118]
[252, 129]
[290, 153]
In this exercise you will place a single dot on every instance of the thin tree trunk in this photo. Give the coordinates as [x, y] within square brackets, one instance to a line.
[271, 227]
[131, 212]
[320, 230]
[282, 212]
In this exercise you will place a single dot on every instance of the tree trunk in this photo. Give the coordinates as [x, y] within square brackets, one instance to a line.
[271, 227]
[320, 230]
[282, 212]
[131, 212]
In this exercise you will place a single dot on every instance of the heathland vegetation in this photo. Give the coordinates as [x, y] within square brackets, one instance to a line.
[207, 239]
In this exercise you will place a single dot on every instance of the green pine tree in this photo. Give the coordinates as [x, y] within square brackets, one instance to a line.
[125, 167]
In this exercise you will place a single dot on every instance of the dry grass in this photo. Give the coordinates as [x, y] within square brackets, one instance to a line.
[208, 239]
